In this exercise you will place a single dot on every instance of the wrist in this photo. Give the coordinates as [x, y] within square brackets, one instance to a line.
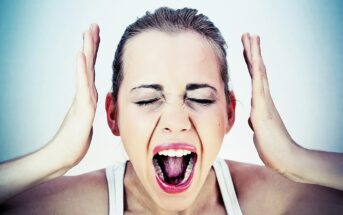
[71, 142]
[293, 163]
[57, 157]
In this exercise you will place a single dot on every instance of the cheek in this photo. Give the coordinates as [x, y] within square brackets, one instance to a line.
[210, 125]
[135, 131]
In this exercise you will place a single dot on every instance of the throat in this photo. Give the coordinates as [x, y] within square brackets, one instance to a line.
[173, 167]
[172, 170]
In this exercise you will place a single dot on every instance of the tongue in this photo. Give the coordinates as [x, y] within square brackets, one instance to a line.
[174, 166]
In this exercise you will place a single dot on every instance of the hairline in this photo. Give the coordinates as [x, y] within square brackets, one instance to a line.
[170, 31]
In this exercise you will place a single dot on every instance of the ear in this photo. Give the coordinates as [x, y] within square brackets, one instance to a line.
[111, 113]
[231, 110]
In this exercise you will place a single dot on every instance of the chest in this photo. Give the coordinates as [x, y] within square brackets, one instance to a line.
[217, 209]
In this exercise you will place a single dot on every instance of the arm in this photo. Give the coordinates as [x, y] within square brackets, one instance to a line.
[81, 194]
[22, 173]
[314, 167]
[264, 191]
[70, 143]
[274, 144]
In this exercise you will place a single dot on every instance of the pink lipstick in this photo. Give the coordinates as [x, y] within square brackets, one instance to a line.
[174, 166]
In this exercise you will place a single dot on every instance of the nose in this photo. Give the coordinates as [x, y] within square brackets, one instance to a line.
[175, 119]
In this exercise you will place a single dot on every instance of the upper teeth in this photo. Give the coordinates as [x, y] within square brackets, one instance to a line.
[174, 153]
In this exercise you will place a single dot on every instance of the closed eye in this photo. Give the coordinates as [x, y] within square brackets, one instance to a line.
[147, 102]
[201, 101]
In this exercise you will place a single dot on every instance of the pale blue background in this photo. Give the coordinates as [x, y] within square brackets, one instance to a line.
[302, 45]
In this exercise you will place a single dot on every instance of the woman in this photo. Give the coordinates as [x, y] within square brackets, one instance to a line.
[172, 106]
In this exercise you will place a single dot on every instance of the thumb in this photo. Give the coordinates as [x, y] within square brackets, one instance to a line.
[250, 124]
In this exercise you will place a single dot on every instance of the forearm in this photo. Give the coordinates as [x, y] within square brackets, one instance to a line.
[25, 172]
[72, 140]
[315, 167]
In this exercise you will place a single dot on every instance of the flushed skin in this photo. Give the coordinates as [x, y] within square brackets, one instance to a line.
[259, 190]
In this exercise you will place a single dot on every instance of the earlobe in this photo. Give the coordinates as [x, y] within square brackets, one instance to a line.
[231, 107]
[111, 114]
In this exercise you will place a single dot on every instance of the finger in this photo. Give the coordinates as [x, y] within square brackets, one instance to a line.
[250, 124]
[81, 74]
[258, 70]
[247, 62]
[247, 52]
[95, 30]
[89, 50]
[256, 57]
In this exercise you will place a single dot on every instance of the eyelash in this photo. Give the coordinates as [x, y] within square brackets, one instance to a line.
[146, 102]
[204, 102]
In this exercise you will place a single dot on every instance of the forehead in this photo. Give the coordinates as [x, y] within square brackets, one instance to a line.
[156, 56]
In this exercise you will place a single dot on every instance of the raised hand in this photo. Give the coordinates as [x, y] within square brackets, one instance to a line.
[72, 140]
[271, 138]
[274, 145]
[75, 134]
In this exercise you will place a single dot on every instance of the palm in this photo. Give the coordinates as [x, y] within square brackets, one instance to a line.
[74, 136]
[270, 135]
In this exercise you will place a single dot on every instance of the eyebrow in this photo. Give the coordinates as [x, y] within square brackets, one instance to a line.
[195, 86]
[189, 87]
[149, 86]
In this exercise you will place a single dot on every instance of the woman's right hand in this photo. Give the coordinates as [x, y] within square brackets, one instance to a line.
[74, 136]
[72, 140]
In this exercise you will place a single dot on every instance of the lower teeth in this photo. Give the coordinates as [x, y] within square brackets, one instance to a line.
[188, 170]
[158, 169]
[187, 173]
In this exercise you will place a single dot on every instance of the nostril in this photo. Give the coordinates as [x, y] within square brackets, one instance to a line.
[168, 130]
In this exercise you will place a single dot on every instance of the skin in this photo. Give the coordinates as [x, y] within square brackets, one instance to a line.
[260, 190]
[274, 144]
[65, 149]
[172, 118]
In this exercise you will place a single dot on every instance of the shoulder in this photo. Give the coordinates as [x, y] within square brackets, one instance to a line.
[264, 190]
[86, 194]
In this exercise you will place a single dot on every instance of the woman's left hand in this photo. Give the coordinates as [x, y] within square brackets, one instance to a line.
[271, 138]
[274, 145]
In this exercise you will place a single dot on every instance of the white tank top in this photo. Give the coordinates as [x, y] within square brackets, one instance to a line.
[115, 179]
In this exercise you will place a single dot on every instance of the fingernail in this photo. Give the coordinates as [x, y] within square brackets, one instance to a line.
[92, 27]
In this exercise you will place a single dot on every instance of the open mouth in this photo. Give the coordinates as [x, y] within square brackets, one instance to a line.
[174, 168]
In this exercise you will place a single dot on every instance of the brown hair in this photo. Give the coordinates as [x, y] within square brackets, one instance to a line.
[169, 20]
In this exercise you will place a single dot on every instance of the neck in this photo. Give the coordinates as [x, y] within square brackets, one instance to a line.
[138, 200]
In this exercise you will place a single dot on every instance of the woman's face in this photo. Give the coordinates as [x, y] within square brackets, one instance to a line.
[172, 113]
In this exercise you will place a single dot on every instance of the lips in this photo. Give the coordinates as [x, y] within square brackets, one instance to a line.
[174, 165]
